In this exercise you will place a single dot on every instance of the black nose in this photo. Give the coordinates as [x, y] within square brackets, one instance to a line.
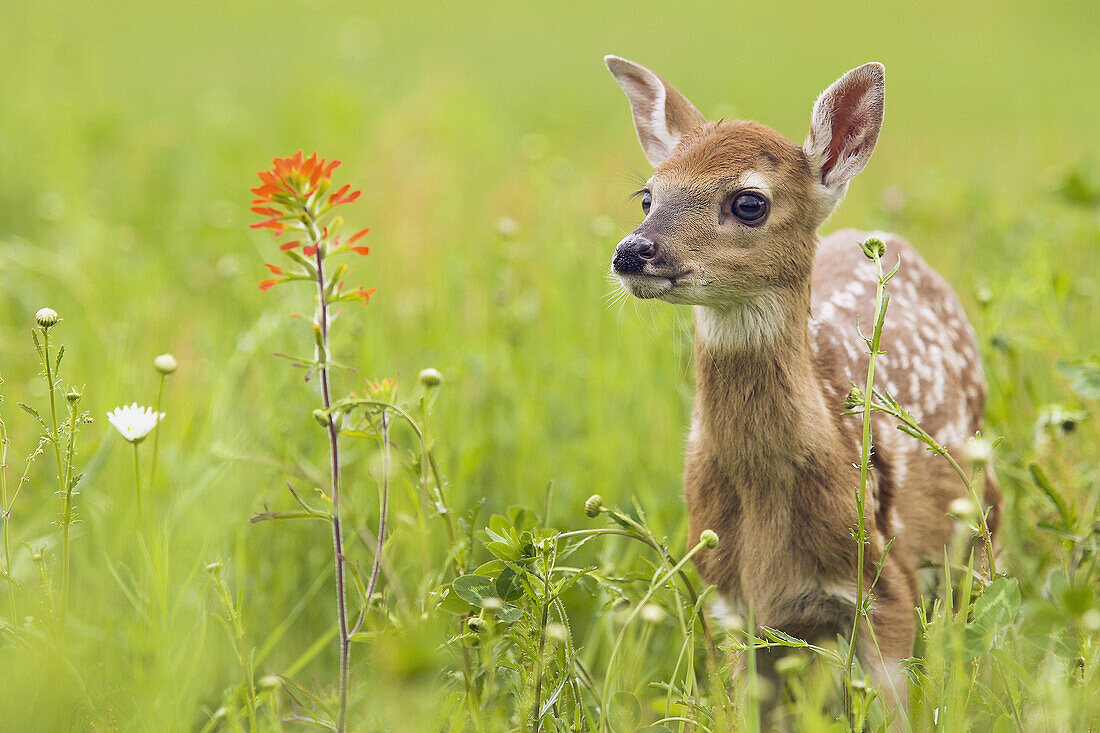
[632, 254]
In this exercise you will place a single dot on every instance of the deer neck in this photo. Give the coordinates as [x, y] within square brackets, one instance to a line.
[759, 403]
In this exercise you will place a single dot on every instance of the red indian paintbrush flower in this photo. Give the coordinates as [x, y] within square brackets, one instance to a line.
[294, 195]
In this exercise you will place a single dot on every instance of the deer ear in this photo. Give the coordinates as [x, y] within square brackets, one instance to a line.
[844, 128]
[661, 114]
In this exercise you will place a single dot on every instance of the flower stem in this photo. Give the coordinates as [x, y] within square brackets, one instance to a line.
[156, 435]
[384, 501]
[864, 469]
[334, 454]
[56, 440]
[6, 518]
[137, 491]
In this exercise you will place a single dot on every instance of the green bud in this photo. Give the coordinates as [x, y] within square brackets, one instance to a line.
[73, 396]
[854, 398]
[431, 377]
[321, 417]
[873, 247]
[46, 317]
[476, 624]
[593, 506]
[709, 538]
[165, 364]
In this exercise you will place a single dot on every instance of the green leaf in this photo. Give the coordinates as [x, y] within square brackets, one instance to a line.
[1083, 376]
[503, 551]
[474, 588]
[998, 604]
[508, 585]
[1043, 483]
[509, 613]
[624, 712]
[34, 413]
[452, 603]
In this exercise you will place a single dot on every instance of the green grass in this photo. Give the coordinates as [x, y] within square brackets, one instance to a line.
[131, 133]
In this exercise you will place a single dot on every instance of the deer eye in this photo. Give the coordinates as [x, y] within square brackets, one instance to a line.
[750, 208]
[647, 201]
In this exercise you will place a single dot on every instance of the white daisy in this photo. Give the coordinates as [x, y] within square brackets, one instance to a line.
[134, 422]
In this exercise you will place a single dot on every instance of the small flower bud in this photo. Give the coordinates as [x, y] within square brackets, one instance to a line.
[978, 451]
[492, 603]
[854, 398]
[321, 417]
[709, 538]
[652, 613]
[73, 396]
[556, 632]
[963, 508]
[873, 247]
[790, 664]
[476, 624]
[431, 377]
[46, 317]
[268, 681]
[165, 364]
[593, 506]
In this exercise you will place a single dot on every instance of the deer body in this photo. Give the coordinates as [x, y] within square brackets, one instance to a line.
[771, 464]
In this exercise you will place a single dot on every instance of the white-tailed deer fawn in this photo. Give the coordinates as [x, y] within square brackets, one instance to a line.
[731, 219]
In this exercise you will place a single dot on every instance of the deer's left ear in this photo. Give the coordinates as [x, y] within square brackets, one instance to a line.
[844, 129]
[661, 113]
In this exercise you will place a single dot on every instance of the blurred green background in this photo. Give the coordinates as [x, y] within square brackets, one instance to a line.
[496, 156]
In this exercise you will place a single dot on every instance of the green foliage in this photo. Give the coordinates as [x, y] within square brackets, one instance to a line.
[499, 156]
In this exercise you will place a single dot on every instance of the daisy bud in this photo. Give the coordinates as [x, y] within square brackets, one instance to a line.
[593, 506]
[321, 417]
[854, 398]
[873, 247]
[165, 364]
[431, 377]
[963, 508]
[709, 538]
[556, 632]
[652, 613]
[46, 318]
[73, 396]
[978, 451]
[476, 624]
[269, 681]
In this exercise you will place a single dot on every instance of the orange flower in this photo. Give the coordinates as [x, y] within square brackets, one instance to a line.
[362, 294]
[297, 178]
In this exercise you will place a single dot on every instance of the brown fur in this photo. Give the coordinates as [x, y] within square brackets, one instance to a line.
[771, 464]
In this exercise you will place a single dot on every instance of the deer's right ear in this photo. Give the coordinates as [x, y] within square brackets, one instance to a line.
[661, 114]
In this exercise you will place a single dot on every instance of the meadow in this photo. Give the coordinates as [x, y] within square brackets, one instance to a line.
[496, 159]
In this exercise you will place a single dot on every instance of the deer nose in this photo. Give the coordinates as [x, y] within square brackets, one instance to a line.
[632, 254]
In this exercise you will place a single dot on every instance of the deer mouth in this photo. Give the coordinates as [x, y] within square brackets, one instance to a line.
[654, 286]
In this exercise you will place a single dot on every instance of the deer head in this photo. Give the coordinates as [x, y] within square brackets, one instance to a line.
[733, 207]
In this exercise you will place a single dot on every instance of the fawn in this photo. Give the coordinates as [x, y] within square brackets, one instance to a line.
[731, 219]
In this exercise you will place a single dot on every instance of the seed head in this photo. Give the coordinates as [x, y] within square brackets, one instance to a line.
[165, 364]
[46, 317]
[709, 538]
[593, 506]
[873, 247]
[431, 377]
